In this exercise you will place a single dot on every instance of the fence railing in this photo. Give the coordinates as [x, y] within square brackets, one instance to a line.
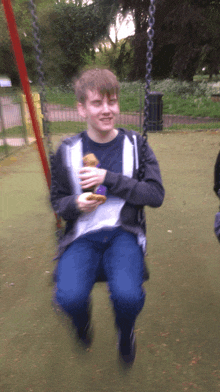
[15, 131]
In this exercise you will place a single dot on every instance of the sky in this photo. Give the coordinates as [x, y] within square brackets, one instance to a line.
[124, 28]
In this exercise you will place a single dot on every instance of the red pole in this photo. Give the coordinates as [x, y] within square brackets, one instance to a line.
[12, 27]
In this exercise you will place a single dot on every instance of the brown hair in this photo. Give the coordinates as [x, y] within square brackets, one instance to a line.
[101, 80]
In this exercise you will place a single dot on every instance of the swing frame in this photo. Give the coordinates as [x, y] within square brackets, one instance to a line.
[22, 70]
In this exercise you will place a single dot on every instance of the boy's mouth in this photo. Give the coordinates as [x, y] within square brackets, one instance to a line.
[106, 119]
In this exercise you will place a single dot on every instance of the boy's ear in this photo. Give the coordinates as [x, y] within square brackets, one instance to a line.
[81, 110]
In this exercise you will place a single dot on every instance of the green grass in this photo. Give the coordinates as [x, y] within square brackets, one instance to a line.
[206, 77]
[60, 96]
[194, 127]
[182, 98]
[190, 106]
[15, 131]
[7, 150]
[179, 98]
[177, 332]
[181, 104]
[130, 96]
[71, 127]
[67, 127]
[3, 149]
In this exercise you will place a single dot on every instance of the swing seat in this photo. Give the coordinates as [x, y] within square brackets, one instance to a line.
[101, 277]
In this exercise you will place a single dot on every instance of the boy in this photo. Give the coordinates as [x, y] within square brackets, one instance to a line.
[104, 237]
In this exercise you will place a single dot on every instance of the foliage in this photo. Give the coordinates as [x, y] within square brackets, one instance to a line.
[187, 37]
[179, 98]
[183, 44]
[183, 89]
[76, 28]
[118, 58]
[69, 32]
[7, 63]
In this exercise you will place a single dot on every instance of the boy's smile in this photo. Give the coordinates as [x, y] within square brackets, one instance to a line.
[100, 113]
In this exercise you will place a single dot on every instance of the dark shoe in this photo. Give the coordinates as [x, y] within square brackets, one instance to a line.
[86, 334]
[127, 347]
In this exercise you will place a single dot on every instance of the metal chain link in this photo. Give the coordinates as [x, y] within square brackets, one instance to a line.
[41, 78]
[149, 57]
[41, 82]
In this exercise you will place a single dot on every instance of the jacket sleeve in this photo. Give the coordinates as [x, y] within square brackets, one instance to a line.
[62, 196]
[217, 176]
[149, 192]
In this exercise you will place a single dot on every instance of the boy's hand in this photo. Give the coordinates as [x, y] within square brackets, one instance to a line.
[87, 205]
[91, 176]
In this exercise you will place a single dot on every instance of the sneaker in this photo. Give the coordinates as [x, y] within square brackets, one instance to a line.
[127, 347]
[85, 335]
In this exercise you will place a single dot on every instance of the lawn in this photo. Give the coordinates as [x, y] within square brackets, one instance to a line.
[182, 98]
[178, 329]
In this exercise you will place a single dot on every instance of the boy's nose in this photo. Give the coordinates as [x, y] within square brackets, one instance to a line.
[105, 107]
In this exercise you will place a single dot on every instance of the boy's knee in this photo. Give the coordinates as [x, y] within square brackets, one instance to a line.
[71, 299]
[129, 298]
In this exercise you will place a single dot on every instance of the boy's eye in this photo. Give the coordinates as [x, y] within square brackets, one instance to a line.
[112, 101]
[97, 103]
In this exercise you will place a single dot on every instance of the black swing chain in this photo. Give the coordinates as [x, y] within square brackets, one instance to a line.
[149, 58]
[41, 82]
[41, 78]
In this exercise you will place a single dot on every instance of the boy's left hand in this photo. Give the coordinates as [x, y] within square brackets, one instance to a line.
[91, 176]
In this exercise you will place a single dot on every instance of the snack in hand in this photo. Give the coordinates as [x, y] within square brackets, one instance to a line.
[90, 160]
[98, 192]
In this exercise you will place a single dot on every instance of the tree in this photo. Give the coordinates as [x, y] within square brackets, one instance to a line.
[187, 37]
[24, 26]
[75, 29]
[68, 33]
[180, 41]
[182, 31]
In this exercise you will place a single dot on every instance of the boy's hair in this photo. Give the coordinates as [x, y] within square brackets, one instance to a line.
[101, 80]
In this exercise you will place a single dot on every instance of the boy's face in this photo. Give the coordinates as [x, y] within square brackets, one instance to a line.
[99, 111]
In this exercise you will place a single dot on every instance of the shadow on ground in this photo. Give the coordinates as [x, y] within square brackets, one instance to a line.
[178, 329]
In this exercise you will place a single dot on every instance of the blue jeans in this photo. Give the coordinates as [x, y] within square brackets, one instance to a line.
[120, 256]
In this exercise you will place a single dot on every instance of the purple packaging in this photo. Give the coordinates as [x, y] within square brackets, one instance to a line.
[101, 190]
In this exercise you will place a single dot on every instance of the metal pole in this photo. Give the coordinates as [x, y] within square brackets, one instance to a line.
[23, 121]
[12, 27]
[3, 131]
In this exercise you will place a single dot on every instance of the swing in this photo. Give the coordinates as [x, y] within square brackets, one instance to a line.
[24, 79]
[46, 130]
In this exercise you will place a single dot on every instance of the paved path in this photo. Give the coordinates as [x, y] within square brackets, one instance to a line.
[16, 142]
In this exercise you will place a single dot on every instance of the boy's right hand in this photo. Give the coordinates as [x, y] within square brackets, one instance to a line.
[87, 205]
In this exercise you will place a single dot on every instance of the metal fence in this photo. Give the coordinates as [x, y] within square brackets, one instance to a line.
[65, 120]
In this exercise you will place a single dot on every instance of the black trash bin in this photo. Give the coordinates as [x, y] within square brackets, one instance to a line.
[155, 111]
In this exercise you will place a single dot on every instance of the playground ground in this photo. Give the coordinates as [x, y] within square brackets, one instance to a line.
[178, 342]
